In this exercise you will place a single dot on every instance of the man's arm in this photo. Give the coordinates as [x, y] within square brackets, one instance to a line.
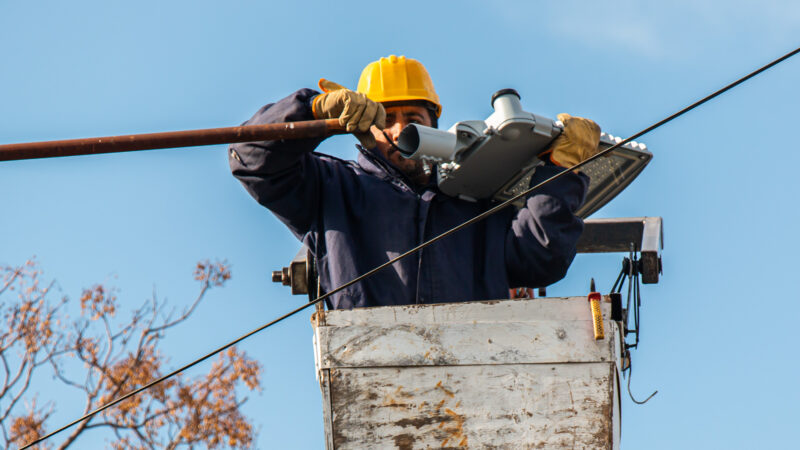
[281, 175]
[540, 244]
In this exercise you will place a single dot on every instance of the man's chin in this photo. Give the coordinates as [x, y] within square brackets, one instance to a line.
[407, 166]
[414, 171]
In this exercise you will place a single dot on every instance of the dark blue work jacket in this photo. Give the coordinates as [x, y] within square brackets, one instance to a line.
[356, 216]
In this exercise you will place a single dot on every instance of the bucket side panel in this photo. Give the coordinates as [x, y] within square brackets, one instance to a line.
[554, 406]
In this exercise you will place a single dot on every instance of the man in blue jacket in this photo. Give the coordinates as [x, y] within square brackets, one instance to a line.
[355, 216]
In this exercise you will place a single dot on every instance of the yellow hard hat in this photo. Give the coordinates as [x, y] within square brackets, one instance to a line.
[396, 79]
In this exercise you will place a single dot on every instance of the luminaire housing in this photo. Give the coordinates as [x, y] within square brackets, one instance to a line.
[496, 158]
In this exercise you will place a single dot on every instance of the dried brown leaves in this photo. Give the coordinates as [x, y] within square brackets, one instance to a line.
[117, 358]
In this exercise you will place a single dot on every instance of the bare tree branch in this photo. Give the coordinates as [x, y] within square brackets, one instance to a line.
[118, 356]
[26, 383]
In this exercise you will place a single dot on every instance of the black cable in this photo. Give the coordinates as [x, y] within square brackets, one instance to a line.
[630, 375]
[628, 300]
[637, 303]
[635, 294]
[469, 222]
[620, 282]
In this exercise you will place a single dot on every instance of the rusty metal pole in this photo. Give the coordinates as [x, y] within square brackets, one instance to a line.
[171, 139]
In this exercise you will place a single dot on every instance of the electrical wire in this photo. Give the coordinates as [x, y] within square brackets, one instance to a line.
[630, 375]
[630, 271]
[620, 282]
[414, 250]
[637, 297]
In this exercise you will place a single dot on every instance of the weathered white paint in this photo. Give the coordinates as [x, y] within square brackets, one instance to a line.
[565, 309]
[502, 374]
[461, 343]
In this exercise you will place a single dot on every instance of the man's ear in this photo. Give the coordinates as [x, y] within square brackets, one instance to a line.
[428, 117]
[432, 121]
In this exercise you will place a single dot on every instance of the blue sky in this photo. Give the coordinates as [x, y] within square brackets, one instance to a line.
[718, 338]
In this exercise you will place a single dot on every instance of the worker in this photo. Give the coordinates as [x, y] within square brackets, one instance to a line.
[354, 216]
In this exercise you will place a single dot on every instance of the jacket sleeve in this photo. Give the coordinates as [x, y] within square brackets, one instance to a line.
[281, 175]
[540, 244]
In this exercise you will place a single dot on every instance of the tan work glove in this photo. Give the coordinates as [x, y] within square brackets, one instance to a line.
[354, 110]
[579, 140]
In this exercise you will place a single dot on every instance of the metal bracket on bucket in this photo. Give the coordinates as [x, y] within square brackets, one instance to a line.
[640, 234]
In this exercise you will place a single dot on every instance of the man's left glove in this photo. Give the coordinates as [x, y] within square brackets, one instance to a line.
[354, 110]
[579, 140]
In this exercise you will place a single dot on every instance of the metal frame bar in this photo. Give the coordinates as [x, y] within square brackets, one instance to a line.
[640, 234]
[171, 139]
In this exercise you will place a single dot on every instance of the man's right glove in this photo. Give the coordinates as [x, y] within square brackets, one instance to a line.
[354, 110]
[579, 140]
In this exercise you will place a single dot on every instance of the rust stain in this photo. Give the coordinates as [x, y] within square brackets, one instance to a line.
[419, 422]
[423, 404]
[457, 430]
[391, 399]
[405, 394]
[318, 318]
[605, 435]
[463, 442]
[404, 441]
[439, 406]
[490, 302]
[448, 392]
[393, 403]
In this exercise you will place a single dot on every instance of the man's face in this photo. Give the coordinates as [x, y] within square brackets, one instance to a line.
[397, 117]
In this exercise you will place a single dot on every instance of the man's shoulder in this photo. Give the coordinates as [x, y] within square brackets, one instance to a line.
[364, 167]
[337, 163]
[365, 175]
[336, 169]
[333, 159]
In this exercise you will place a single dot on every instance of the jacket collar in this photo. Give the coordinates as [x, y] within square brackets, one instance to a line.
[375, 164]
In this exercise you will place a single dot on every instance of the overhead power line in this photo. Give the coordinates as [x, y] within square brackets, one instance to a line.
[414, 250]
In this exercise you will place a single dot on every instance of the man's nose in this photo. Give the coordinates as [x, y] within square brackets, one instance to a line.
[395, 130]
